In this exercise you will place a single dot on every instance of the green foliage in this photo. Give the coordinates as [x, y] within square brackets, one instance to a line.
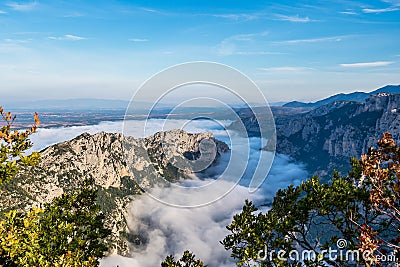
[67, 232]
[187, 260]
[361, 208]
[312, 216]
[13, 144]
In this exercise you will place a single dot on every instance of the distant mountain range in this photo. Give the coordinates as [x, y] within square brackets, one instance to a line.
[325, 134]
[93, 104]
[326, 137]
[356, 96]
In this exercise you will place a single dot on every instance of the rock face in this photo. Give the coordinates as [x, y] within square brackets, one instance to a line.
[355, 96]
[326, 137]
[171, 155]
[121, 167]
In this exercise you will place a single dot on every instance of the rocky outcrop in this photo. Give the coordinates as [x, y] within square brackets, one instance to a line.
[120, 167]
[171, 155]
[355, 96]
[326, 137]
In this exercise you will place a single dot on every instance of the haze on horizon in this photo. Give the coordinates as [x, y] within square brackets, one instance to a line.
[292, 50]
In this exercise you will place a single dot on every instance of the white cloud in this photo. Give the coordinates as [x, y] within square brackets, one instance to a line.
[151, 10]
[138, 40]
[296, 18]
[22, 7]
[14, 45]
[313, 40]
[2, 12]
[74, 37]
[393, 2]
[199, 229]
[228, 46]
[67, 37]
[236, 16]
[10, 47]
[19, 41]
[380, 10]
[246, 37]
[367, 64]
[348, 12]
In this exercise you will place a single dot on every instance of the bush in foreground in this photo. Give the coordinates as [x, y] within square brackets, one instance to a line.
[68, 232]
[359, 213]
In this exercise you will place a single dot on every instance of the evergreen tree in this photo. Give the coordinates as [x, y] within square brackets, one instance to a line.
[359, 212]
[187, 260]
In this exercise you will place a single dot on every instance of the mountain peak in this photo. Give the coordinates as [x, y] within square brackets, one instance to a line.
[355, 96]
[121, 167]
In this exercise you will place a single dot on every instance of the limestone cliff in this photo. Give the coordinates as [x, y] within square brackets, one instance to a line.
[326, 137]
[121, 167]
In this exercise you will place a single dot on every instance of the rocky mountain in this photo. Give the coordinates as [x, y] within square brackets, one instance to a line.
[355, 96]
[326, 137]
[120, 167]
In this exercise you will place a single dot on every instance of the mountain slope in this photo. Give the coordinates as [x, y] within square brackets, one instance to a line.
[326, 137]
[356, 96]
[102, 157]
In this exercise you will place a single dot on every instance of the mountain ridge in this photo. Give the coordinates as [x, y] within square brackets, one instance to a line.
[102, 157]
[326, 137]
[354, 96]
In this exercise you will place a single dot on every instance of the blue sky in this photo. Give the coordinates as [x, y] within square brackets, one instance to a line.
[302, 50]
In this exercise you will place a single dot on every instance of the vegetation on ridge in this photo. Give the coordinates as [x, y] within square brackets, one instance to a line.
[67, 232]
[357, 213]
[187, 260]
[13, 144]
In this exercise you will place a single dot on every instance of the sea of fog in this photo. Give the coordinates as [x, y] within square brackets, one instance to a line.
[172, 230]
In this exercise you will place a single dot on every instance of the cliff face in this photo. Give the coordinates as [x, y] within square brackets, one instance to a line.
[326, 137]
[172, 155]
[119, 166]
[355, 96]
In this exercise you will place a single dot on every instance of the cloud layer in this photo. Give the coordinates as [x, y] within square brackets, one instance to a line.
[169, 230]
[24, 7]
[68, 37]
[367, 64]
[296, 18]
